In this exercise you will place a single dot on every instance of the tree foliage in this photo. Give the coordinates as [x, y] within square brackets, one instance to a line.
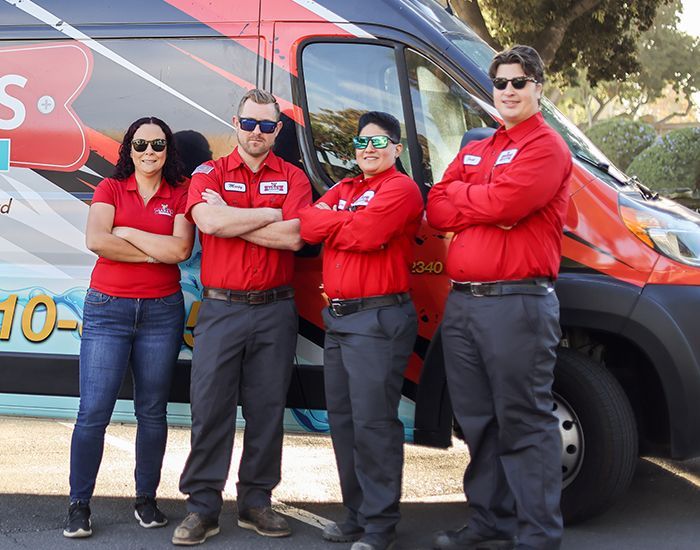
[601, 35]
[621, 139]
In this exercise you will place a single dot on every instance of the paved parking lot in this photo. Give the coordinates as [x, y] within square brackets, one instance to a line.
[661, 510]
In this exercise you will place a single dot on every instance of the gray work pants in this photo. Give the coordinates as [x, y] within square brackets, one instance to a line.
[499, 360]
[244, 351]
[365, 356]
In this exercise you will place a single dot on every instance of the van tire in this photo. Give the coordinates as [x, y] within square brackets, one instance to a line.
[599, 433]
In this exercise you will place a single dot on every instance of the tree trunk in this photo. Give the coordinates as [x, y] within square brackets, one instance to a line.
[469, 11]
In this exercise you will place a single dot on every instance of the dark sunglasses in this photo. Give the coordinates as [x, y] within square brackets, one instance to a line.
[519, 82]
[157, 145]
[378, 142]
[249, 124]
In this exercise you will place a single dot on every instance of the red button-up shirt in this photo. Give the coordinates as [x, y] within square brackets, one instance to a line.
[234, 263]
[368, 241]
[517, 178]
[139, 280]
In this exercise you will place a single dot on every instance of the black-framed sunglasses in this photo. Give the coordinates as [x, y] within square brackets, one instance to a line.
[378, 142]
[158, 145]
[249, 124]
[519, 82]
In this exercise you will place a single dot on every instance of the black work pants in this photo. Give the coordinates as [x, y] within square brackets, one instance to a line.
[244, 351]
[500, 354]
[365, 356]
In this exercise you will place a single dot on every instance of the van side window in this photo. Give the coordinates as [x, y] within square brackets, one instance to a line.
[444, 110]
[342, 81]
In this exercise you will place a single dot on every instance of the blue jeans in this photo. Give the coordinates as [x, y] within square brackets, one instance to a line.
[145, 333]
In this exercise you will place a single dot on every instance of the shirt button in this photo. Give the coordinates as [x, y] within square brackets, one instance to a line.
[337, 266]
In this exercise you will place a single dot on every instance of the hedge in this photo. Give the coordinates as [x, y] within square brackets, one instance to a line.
[621, 139]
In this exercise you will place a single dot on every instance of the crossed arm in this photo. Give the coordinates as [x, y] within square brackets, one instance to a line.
[127, 244]
[262, 226]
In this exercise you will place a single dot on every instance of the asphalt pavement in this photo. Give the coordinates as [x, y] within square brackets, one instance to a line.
[661, 509]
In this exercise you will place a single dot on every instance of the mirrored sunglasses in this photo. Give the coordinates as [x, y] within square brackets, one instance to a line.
[249, 124]
[519, 82]
[157, 145]
[378, 142]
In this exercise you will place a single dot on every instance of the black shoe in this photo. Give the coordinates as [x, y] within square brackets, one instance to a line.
[342, 532]
[147, 513]
[375, 541]
[78, 522]
[264, 521]
[195, 529]
[466, 539]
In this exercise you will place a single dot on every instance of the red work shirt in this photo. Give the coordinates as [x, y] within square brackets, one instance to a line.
[139, 280]
[519, 178]
[368, 241]
[234, 263]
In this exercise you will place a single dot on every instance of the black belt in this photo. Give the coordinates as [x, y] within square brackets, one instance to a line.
[538, 286]
[346, 307]
[250, 297]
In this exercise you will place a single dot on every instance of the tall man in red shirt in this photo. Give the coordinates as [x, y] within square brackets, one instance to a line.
[246, 207]
[367, 224]
[505, 199]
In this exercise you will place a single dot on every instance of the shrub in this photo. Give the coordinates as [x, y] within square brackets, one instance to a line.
[671, 163]
[621, 139]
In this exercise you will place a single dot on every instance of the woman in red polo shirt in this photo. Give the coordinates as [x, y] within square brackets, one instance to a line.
[134, 313]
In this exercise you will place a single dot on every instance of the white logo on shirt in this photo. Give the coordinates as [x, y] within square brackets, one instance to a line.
[471, 160]
[202, 169]
[234, 186]
[364, 199]
[341, 204]
[506, 156]
[273, 187]
[164, 210]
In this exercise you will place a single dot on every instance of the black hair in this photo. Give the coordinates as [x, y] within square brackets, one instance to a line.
[525, 56]
[173, 170]
[385, 121]
[193, 149]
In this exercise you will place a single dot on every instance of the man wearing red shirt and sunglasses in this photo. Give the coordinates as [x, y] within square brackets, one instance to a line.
[505, 198]
[367, 224]
[246, 207]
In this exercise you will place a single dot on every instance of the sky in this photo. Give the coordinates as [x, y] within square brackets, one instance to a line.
[690, 19]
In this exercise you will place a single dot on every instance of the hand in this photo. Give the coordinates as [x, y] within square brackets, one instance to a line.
[322, 206]
[213, 198]
[121, 232]
[505, 227]
[276, 214]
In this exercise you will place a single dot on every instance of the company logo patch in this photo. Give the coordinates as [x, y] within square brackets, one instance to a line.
[506, 156]
[471, 160]
[273, 187]
[238, 187]
[363, 200]
[202, 169]
[341, 204]
[164, 210]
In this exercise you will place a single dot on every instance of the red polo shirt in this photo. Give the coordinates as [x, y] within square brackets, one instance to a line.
[139, 280]
[519, 178]
[234, 263]
[368, 241]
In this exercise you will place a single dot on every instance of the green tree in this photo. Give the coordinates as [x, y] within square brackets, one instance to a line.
[601, 35]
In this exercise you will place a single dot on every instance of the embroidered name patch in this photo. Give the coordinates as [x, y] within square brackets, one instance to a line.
[363, 200]
[164, 210]
[273, 187]
[234, 186]
[341, 204]
[506, 156]
[202, 169]
[471, 160]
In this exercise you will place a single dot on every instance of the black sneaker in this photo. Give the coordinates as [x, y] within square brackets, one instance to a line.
[78, 522]
[147, 512]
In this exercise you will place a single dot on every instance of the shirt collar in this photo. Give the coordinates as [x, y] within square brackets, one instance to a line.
[519, 131]
[272, 161]
[360, 178]
[163, 190]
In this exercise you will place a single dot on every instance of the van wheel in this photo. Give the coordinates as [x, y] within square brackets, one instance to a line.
[599, 435]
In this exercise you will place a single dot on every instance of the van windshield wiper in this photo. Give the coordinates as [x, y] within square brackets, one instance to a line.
[604, 166]
[647, 193]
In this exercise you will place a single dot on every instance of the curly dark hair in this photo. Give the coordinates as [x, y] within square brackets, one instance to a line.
[173, 169]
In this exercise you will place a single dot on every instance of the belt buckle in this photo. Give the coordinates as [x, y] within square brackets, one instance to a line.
[336, 308]
[474, 288]
[256, 297]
